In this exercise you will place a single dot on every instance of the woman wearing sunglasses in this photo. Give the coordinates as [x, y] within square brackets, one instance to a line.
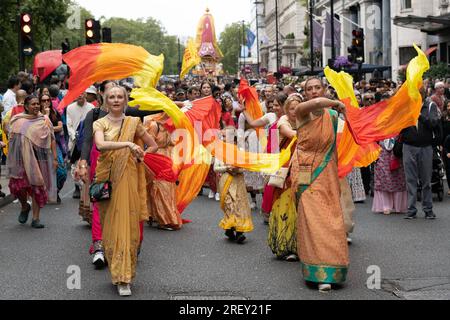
[47, 109]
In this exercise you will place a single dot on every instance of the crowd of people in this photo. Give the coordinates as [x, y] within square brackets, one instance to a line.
[99, 139]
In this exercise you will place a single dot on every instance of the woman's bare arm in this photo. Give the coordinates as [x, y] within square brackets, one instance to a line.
[59, 127]
[258, 123]
[103, 145]
[305, 108]
[152, 147]
[287, 132]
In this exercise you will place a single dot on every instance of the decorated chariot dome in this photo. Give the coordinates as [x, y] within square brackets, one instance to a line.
[206, 40]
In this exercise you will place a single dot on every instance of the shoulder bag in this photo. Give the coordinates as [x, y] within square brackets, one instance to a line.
[102, 191]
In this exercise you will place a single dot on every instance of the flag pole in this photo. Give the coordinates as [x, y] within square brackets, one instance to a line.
[311, 36]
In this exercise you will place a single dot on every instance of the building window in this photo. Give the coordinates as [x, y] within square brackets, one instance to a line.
[406, 4]
[406, 55]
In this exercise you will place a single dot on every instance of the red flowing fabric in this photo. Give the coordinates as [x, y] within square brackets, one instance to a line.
[82, 63]
[161, 166]
[46, 62]
[205, 112]
[252, 105]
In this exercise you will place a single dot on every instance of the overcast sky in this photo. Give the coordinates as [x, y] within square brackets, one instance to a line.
[179, 17]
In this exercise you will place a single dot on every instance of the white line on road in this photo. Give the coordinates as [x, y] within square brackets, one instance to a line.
[65, 196]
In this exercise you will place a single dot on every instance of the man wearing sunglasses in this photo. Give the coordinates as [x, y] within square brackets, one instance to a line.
[368, 99]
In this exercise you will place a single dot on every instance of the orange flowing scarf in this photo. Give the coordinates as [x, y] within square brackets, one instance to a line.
[380, 121]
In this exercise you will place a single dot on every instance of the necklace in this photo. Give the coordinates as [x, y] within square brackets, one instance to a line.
[111, 118]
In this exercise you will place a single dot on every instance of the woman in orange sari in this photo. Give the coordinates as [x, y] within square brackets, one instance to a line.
[120, 140]
[162, 201]
[321, 237]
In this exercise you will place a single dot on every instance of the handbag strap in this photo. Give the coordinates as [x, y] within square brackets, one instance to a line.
[117, 140]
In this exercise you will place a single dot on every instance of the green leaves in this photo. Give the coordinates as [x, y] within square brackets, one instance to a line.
[230, 42]
[50, 29]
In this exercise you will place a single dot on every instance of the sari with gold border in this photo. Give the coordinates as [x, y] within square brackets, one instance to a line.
[321, 237]
[120, 216]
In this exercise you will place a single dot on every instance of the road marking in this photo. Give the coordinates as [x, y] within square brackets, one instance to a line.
[65, 196]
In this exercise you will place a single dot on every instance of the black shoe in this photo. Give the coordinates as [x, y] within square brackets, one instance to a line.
[2, 194]
[58, 199]
[240, 238]
[36, 224]
[430, 216]
[230, 234]
[76, 194]
[411, 216]
[23, 217]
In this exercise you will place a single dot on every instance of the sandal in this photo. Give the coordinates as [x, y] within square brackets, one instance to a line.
[23, 217]
[36, 224]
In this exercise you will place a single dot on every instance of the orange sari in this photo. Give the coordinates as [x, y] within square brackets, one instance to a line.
[321, 237]
[162, 202]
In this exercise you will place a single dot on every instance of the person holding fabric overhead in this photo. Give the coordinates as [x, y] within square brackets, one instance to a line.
[273, 143]
[321, 235]
[120, 140]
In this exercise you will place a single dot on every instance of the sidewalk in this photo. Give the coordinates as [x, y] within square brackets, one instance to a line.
[4, 183]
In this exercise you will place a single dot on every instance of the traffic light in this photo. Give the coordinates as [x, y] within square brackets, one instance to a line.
[357, 48]
[92, 31]
[106, 35]
[65, 46]
[26, 34]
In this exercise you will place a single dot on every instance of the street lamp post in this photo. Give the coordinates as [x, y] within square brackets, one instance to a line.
[257, 35]
[276, 36]
[333, 49]
[21, 57]
[179, 57]
[243, 43]
[311, 36]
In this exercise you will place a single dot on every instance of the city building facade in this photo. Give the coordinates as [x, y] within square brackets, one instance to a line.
[291, 25]
[390, 28]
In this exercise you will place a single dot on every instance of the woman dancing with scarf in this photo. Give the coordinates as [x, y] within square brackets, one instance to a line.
[321, 237]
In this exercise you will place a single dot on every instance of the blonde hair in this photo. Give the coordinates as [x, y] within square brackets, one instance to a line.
[124, 91]
[293, 97]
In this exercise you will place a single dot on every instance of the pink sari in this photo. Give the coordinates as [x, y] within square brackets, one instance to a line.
[267, 201]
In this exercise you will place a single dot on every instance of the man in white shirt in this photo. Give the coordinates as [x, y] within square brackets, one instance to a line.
[9, 98]
[76, 113]
[270, 94]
